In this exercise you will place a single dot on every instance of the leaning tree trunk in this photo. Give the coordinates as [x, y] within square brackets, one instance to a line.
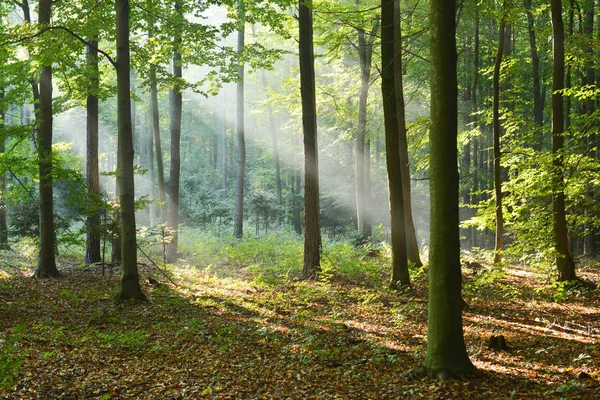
[446, 353]
[564, 260]
[130, 284]
[400, 277]
[238, 220]
[92, 248]
[497, 154]
[312, 228]
[176, 105]
[47, 263]
[412, 246]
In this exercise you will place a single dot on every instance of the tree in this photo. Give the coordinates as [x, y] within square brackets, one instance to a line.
[3, 224]
[92, 253]
[446, 353]
[160, 170]
[497, 153]
[365, 53]
[176, 106]
[238, 224]
[130, 284]
[400, 277]
[564, 260]
[312, 229]
[412, 247]
[46, 264]
[538, 101]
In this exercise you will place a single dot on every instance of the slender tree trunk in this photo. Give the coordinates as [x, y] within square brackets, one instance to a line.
[150, 160]
[475, 107]
[238, 220]
[497, 154]
[176, 106]
[130, 284]
[400, 277]
[446, 353]
[589, 107]
[47, 263]
[162, 195]
[92, 253]
[564, 260]
[365, 52]
[3, 224]
[312, 228]
[538, 108]
[412, 245]
[368, 226]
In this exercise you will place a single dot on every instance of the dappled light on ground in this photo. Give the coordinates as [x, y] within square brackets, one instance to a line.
[224, 332]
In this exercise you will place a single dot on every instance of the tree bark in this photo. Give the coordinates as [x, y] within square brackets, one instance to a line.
[365, 52]
[92, 253]
[400, 277]
[176, 106]
[47, 264]
[564, 260]
[238, 220]
[497, 154]
[538, 106]
[446, 353]
[150, 160]
[312, 228]
[412, 245]
[3, 224]
[162, 195]
[130, 284]
[475, 158]
[589, 107]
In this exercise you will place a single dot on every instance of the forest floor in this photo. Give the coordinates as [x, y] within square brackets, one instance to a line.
[242, 333]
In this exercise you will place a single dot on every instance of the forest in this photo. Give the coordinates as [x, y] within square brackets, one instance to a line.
[246, 199]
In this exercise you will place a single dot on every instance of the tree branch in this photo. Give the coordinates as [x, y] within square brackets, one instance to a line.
[70, 32]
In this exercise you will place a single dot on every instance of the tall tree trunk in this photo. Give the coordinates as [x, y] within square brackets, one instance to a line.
[176, 105]
[238, 220]
[47, 263]
[412, 246]
[130, 284]
[446, 353]
[150, 160]
[475, 107]
[538, 107]
[497, 154]
[400, 277]
[162, 195]
[589, 107]
[92, 248]
[564, 260]
[3, 224]
[365, 52]
[312, 227]
[368, 225]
